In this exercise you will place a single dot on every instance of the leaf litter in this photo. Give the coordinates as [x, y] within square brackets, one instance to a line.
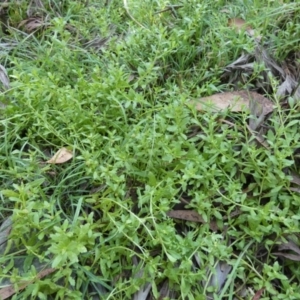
[190, 215]
[294, 255]
[236, 101]
[32, 24]
[61, 156]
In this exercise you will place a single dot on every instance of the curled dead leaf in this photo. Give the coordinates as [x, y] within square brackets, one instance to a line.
[61, 156]
[32, 24]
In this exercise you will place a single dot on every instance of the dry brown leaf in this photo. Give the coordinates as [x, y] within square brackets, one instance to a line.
[292, 257]
[237, 23]
[4, 78]
[8, 291]
[287, 86]
[32, 24]
[190, 215]
[289, 246]
[217, 277]
[235, 101]
[97, 43]
[258, 294]
[61, 156]
[295, 178]
[164, 290]
[240, 24]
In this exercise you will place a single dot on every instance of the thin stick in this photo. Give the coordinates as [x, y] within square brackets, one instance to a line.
[130, 16]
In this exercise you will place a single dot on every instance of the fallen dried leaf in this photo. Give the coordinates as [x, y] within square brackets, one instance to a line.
[4, 78]
[187, 215]
[263, 56]
[295, 178]
[240, 24]
[287, 86]
[235, 101]
[237, 23]
[32, 24]
[190, 215]
[292, 257]
[61, 156]
[258, 294]
[10, 290]
[289, 246]
[218, 276]
[97, 43]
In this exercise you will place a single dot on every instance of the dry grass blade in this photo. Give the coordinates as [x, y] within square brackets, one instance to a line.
[141, 294]
[34, 8]
[292, 257]
[218, 276]
[164, 290]
[170, 8]
[97, 43]
[240, 63]
[264, 57]
[4, 78]
[125, 3]
[287, 86]
[238, 71]
[8, 291]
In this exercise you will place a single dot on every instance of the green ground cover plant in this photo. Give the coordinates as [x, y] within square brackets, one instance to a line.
[160, 200]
